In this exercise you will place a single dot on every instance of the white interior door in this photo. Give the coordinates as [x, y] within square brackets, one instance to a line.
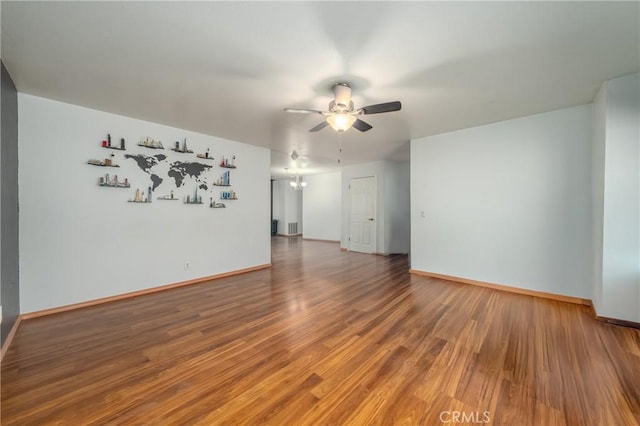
[362, 229]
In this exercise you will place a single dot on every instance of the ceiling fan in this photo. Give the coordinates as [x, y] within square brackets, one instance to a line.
[342, 115]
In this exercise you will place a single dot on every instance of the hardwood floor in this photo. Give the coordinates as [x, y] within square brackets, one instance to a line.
[324, 337]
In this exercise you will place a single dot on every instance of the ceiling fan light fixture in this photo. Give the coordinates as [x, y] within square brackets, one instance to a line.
[341, 122]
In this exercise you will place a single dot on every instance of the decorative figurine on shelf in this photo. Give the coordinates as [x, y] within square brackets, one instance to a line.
[149, 195]
[167, 197]
[122, 144]
[206, 155]
[109, 139]
[137, 199]
[109, 161]
[216, 205]
[184, 148]
[228, 164]
[148, 142]
[115, 182]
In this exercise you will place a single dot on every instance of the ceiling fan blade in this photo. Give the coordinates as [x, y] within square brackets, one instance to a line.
[319, 127]
[385, 107]
[303, 111]
[361, 125]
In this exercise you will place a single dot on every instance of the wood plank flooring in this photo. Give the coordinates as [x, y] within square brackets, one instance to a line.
[323, 338]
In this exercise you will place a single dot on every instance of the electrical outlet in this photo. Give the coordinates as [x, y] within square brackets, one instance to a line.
[187, 266]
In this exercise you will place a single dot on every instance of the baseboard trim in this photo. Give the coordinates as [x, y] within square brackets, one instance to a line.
[9, 338]
[320, 239]
[117, 297]
[527, 292]
[613, 321]
[623, 323]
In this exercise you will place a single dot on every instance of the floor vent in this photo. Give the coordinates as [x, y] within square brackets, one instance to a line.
[293, 228]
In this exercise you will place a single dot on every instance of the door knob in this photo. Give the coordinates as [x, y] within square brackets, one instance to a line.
[371, 219]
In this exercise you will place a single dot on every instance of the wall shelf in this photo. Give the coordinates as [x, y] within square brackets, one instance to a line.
[202, 156]
[226, 164]
[117, 185]
[107, 143]
[101, 163]
[224, 180]
[216, 205]
[228, 195]
[183, 149]
[113, 183]
[168, 197]
[151, 147]
[141, 198]
[195, 199]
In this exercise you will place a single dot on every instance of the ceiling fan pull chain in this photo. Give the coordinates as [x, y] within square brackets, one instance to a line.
[339, 148]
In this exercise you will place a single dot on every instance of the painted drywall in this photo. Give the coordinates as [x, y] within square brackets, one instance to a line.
[398, 208]
[287, 206]
[621, 221]
[322, 206]
[507, 203]
[597, 193]
[80, 242]
[9, 220]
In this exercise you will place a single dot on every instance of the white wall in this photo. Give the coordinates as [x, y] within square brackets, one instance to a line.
[79, 241]
[507, 203]
[398, 208]
[621, 219]
[322, 206]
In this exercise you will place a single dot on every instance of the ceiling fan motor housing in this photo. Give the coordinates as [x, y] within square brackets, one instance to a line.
[342, 96]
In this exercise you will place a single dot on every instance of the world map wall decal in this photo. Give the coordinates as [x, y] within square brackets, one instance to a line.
[146, 163]
[178, 170]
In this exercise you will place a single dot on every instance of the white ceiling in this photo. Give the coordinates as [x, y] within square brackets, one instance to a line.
[229, 68]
